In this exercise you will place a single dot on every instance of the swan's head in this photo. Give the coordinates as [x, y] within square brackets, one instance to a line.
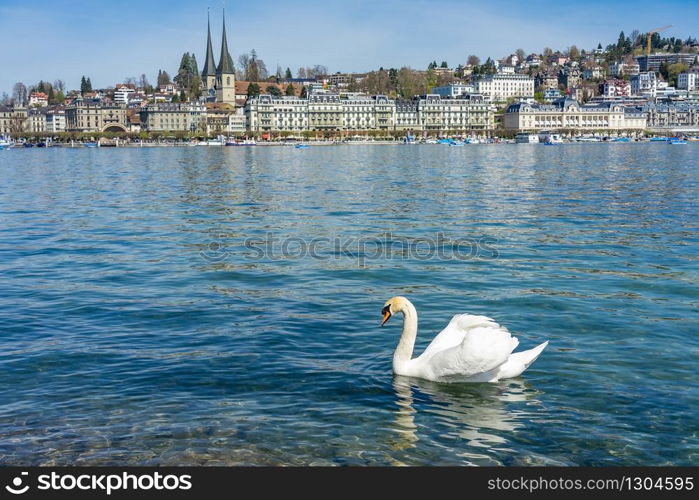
[393, 306]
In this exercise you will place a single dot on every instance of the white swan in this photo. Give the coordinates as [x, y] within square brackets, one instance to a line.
[470, 349]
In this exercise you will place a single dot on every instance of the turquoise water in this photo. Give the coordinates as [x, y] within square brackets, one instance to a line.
[140, 324]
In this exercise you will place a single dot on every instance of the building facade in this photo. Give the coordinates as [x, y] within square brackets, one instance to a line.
[653, 61]
[171, 117]
[500, 87]
[331, 112]
[688, 80]
[568, 114]
[13, 120]
[644, 84]
[675, 117]
[56, 120]
[454, 90]
[95, 116]
[615, 87]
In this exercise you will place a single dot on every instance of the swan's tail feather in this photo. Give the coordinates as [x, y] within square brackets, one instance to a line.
[520, 361]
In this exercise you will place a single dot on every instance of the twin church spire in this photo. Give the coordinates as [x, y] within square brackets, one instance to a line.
[219, 80]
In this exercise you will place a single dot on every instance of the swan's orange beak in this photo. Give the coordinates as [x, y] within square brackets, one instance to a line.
[386, 315]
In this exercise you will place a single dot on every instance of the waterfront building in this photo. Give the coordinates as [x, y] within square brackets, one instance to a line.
[56, 120]
[171, 117]
[353, 112]
[653, 61]
[325, 112]
[569, 114]
[470, 112]
[13, 120]
[688, 80]
[266, 113]
[36, 120]
[95, 116]
[407, 116]
[502, 86]
[672, 117]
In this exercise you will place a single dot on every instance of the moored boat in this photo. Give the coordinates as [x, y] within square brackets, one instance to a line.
[526, 138]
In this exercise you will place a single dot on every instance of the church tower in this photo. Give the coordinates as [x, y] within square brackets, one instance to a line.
[208, 74]
[225, 74]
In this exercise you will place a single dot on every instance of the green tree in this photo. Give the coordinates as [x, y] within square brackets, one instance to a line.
[288, 74]
[253, 89]
[290, 90]
[444, 65]
[304, 92]
[273, 90]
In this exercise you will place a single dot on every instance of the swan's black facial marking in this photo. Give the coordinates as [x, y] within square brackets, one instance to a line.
[386, 311]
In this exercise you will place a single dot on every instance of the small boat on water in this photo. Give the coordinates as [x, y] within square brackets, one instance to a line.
[676, 140]
[301, 146]
[549, 138]
[525, 138]
[90, 144]
[621, 139]
[658, 139]
[239, 142]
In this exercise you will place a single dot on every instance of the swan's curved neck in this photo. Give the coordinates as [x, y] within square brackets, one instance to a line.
[404, 350]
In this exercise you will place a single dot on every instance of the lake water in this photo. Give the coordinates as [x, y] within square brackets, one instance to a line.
[172, 306]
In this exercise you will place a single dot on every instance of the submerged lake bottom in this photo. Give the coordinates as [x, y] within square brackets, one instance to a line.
[221, 306]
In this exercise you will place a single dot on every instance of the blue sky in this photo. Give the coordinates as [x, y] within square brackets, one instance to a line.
[110, 41]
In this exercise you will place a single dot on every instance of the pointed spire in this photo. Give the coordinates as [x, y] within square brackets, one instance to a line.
[209, 64]
[225, 64]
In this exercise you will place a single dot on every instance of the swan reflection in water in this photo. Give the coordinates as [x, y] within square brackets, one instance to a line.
[478, 414]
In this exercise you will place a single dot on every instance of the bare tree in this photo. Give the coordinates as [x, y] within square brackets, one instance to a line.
[244, 64]
[317, 70]
[143, 81]
[130, 80]
[59, 85]
[19, 94]
[473, 60]
[301, 73]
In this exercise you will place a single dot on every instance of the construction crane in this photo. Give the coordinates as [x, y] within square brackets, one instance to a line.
[650, 35]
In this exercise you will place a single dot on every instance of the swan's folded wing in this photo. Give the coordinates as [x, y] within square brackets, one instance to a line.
[483, 349]
[454, 333]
